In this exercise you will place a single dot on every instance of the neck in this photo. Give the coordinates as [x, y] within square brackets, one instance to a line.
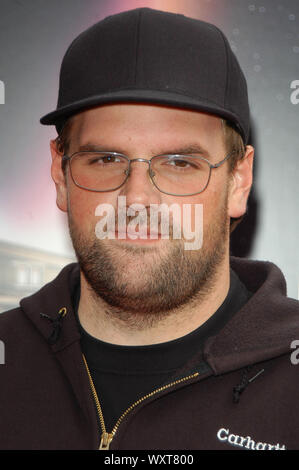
[99, 320]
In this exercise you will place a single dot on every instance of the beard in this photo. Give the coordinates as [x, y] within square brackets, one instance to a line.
[141, 285]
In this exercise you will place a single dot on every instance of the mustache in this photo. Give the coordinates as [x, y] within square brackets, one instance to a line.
[145, 221]
[168, 222]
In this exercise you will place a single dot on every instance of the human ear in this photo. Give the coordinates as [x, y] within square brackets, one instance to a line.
[58, 177]
[240, 184]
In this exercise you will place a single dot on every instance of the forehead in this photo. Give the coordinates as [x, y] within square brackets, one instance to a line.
[143, 123]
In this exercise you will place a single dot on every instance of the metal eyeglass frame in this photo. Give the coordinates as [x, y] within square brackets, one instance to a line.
[67, 158]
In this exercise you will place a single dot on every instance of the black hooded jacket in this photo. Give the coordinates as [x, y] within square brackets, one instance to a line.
[240, 392]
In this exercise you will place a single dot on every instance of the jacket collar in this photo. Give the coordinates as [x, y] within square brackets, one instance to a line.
[262, 329]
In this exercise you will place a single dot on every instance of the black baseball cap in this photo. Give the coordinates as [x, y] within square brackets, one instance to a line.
[152, 56]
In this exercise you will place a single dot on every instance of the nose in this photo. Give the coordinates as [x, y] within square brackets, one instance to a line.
[139, 188]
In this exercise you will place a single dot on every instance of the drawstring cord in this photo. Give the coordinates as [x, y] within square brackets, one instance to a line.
[245, 381]
[56, 323]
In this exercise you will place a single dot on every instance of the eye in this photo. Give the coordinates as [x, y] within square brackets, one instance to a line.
[179, 163]
[184, 163]
[103, 160]
[110, 159]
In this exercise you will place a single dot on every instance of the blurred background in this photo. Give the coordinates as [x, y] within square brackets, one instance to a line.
[34, 35]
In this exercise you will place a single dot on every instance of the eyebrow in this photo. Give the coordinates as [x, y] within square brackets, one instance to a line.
[189, 149]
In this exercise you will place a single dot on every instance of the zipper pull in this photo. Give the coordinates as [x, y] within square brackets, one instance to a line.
[106, 439]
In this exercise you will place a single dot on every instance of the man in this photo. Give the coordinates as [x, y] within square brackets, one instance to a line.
[146, 343]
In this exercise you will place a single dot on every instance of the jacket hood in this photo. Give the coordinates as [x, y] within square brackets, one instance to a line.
[263, 329]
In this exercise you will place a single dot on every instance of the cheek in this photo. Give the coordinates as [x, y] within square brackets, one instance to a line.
[82, 205]
[198, 211]
[211, 204]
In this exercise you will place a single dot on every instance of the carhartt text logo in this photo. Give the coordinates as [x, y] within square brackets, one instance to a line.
[247, 442]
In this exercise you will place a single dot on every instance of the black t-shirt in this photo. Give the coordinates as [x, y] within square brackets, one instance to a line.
[123, 374]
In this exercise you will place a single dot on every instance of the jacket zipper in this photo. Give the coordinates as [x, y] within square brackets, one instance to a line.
[106, 437]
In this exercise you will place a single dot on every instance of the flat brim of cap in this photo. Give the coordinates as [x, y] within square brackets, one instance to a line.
[164, 98]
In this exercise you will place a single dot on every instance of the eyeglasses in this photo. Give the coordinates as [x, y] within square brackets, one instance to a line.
[176, 175]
